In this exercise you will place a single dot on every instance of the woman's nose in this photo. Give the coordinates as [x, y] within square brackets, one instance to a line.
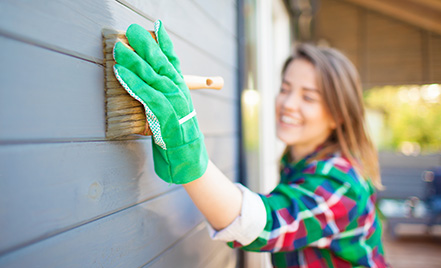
[292, 102]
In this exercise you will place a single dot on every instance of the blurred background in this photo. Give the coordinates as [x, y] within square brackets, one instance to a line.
[396, 47]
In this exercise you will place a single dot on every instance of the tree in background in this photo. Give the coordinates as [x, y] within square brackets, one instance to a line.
[411, 117]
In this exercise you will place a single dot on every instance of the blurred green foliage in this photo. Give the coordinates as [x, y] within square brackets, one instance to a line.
[411, 115]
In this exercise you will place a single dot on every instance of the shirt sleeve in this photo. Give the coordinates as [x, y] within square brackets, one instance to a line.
[248, 225]
[307, 212]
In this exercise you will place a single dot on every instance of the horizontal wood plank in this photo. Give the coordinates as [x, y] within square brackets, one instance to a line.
[48, 95]
[392, 159]
[224, 258]
[402, 175]
[51, 96]
[57, 25]
[129, 238]
[74, 27]
[223, 13]
[47, 189]
[195, 250]
[190, 23]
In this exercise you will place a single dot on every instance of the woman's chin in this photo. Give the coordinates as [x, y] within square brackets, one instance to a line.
[288, 139]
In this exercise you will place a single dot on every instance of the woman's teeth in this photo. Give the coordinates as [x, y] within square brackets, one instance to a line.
[289, 120]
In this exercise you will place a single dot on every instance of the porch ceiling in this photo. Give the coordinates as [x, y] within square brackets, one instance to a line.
[425, 14]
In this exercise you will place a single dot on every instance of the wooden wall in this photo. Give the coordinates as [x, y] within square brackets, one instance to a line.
[402, 175]
[68, 196]
[385, 50]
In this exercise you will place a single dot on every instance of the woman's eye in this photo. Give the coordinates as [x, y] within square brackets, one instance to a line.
[309, 98]
[283, 90]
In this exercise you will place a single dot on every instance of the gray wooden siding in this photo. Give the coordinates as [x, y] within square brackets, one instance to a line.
[402, 175]
[68, 196]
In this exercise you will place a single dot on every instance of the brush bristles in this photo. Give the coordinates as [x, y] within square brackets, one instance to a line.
[125, 116]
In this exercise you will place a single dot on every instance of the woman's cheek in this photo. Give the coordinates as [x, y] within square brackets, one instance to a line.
[312, 110]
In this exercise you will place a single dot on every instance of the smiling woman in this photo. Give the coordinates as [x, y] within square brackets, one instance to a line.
[323, 210]
[303, 121]
[322, 213]
[330, 90]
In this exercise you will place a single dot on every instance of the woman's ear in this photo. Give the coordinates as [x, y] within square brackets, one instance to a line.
[332, 123]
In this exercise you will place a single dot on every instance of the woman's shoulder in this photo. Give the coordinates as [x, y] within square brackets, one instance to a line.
[333, 163]
[338, 168]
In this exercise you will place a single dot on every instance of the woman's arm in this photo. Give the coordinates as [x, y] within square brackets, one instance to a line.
[152, 75]
[218, 199]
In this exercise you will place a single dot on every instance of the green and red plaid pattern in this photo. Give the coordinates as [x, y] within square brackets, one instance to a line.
[322, 214]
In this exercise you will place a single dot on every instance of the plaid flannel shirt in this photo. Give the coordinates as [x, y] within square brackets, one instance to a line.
[322, 214]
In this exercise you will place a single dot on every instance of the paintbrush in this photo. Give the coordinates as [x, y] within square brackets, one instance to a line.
[125, 116]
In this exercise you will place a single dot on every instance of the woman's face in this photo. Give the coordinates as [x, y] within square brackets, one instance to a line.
[301, 119]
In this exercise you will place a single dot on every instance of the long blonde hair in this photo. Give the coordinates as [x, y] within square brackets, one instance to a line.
[342, 94]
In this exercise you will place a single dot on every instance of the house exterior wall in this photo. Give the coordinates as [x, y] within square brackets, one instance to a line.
[68, 196]
[402, 176]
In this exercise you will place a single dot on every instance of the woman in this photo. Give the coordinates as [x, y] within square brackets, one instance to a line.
[322, 213]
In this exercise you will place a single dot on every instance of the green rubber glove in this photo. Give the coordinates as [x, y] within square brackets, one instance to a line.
[152, 75]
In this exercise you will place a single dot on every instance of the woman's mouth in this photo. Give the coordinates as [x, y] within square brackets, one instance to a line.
[288, 120]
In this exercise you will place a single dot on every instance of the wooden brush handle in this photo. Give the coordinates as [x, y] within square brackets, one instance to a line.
[197, 82]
